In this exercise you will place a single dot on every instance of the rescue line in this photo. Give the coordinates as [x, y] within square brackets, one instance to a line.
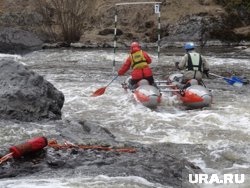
[37, 144]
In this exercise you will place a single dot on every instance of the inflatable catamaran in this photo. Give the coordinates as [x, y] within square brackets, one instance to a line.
[192, 94]
[144, 93]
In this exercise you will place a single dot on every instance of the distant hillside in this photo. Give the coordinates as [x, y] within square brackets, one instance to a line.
[181, 20]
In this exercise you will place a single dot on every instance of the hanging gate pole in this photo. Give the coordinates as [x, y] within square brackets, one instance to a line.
[157, 11]
[115, 39]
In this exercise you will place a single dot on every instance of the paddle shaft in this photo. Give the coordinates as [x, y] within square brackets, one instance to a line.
[112, 80]
[203, 83]
[216, 75]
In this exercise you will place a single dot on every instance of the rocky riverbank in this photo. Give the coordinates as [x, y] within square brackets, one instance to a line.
[157, 163]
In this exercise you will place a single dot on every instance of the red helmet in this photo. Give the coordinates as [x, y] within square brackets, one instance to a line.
[135, 45]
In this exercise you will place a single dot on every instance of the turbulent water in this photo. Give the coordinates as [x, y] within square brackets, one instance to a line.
[221, 131]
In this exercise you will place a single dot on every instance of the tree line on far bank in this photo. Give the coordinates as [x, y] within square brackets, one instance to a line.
[64, 17]
[63, 20]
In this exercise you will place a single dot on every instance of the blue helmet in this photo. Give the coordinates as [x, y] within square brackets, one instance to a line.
[189, 46]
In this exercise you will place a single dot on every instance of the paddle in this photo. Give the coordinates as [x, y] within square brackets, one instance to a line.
[201, 81]
[235, 81]
[100, 91]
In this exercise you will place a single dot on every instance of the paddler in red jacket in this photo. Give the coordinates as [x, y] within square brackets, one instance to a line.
[139, 62]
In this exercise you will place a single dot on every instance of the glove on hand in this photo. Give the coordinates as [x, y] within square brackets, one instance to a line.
[119, 73]
[206, 72]
[177, 65]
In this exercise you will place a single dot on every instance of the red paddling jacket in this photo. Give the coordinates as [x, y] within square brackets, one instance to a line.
[138, 60]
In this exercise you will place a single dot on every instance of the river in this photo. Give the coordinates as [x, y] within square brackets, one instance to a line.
[221, 130]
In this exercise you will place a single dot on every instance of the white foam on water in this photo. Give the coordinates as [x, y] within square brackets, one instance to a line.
[100, 181]
[15, 57]
[29, 183]
[79, 73]
[118, 111]
[227, 61]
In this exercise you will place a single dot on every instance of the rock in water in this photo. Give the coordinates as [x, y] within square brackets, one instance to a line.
[13, 40]
[25, 95]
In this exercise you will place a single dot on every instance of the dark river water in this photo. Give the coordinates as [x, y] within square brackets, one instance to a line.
[222, 130]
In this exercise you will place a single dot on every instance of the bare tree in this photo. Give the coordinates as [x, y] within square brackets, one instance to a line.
[48, 24]
[64, 17]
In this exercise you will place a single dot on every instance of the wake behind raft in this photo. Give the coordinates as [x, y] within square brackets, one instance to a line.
[39, 143]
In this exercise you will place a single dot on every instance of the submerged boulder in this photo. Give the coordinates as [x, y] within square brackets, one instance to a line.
[25, 95]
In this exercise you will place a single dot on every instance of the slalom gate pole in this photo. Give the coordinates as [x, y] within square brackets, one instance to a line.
[159, 32]
[157, 11]
[115, 40]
